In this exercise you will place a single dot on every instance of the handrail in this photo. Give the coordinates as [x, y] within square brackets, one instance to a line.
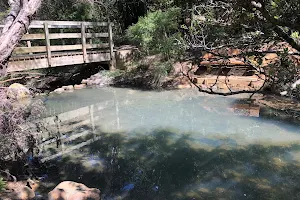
[35, 24]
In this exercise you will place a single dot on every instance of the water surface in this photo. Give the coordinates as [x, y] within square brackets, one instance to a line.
[172, 145]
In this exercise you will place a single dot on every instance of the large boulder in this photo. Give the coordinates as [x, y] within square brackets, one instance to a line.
[69, 190]
[18, 91]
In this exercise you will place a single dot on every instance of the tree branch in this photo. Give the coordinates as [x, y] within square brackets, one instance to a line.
[16, 25]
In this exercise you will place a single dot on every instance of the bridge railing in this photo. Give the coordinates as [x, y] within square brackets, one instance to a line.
[43, 38]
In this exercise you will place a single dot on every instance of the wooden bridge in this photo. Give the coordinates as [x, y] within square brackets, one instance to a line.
[63, 43]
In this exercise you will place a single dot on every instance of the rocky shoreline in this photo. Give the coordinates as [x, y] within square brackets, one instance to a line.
[96, 80]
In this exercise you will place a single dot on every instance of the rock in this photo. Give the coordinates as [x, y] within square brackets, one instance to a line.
[22, 190]
[84, 81]
[183, 86]
[18, 91]
[97, 82]
[89, 83]
[96, 76]
[78, 87]
[69, 190]
[69, 87]
[59, 90]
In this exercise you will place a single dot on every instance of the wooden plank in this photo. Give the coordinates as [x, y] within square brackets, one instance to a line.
[101, 57]
[40, 36]
[64, 24]
[23, 65]
[83, 41]
[67, 60]
[97, 35]
[43, 49]
[27, 65]
[77, 47]
[111, 48]
[26, 50]
[64, 35]
[97, 46]
[48, 45]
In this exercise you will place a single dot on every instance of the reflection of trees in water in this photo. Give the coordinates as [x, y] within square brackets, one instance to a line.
[157, 166]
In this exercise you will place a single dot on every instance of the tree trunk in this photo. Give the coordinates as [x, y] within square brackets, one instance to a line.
[16, 25]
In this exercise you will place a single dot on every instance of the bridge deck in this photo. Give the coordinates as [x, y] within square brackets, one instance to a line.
[39, 61]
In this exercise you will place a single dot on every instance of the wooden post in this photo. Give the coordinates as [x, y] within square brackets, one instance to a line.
[83, 40]
[63, 41]
[28, 42]
[111, 48]
[48, 45]
[90, 39]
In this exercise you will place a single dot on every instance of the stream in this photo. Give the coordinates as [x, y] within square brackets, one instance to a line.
[178, 144]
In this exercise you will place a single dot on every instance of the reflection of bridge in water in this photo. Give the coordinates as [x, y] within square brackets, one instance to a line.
[65, 128]
[77, 128]
[63, 43]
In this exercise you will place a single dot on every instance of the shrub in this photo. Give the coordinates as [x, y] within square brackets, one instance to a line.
[158, 32]
[17, 136]
[2, 184]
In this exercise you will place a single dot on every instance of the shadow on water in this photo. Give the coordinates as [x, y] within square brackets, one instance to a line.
[163, 165]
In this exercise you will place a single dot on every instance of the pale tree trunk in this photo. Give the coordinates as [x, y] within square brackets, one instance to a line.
[16, 25]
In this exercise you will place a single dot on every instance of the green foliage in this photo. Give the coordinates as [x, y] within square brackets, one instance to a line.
[163, 68]
[283, 74]
[2, 184]
[66, 10]
[157, 33]
[112, 74]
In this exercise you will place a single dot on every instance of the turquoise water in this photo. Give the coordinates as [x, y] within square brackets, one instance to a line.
[172, 145]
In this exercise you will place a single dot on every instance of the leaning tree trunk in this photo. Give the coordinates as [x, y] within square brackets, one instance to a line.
[16, 25]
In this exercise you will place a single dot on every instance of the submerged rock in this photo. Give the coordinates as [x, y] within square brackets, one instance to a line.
[69, 190]
[18, 91]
